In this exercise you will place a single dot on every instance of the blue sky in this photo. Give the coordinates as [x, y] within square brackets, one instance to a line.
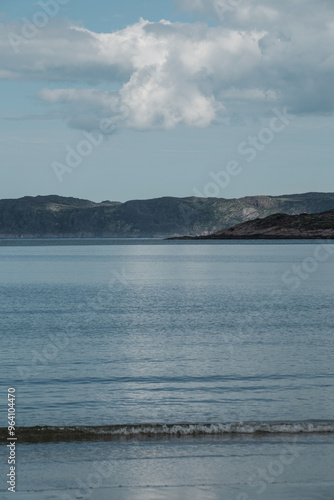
[223, 98]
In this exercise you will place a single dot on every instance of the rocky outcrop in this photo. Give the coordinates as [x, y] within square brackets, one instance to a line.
[281, 226]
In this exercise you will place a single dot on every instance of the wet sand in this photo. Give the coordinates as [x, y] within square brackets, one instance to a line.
[291, 467]
[310, 491]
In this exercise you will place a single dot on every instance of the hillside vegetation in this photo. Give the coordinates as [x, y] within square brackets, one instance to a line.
[59, 217]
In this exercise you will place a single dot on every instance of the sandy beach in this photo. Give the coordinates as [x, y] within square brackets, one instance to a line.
[291, 467]
[310, 491]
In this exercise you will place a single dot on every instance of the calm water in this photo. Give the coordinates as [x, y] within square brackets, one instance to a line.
[133, 334]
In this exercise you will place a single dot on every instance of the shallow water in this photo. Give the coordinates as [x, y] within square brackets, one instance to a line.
[131, 333]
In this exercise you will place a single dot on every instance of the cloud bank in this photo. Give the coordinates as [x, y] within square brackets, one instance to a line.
[260, 55]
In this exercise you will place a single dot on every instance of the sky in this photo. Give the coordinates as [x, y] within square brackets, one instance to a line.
[140, 99]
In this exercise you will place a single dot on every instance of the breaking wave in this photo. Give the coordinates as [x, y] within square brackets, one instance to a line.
[141, 431]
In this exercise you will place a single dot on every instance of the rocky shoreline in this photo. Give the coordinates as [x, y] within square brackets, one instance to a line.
[277, 226]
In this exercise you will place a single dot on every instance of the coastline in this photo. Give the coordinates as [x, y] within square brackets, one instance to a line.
[254, 237]
[289, 467]
[308, 491]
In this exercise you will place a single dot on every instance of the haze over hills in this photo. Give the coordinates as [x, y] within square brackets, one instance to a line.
[59, 217]
[279, 226]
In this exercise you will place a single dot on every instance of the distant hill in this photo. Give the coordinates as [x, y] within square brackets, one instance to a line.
[59, 217]
[280, 226]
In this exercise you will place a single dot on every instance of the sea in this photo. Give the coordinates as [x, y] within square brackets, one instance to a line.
[153, 369]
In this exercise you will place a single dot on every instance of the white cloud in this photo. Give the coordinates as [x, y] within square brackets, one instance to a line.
[259, 55]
